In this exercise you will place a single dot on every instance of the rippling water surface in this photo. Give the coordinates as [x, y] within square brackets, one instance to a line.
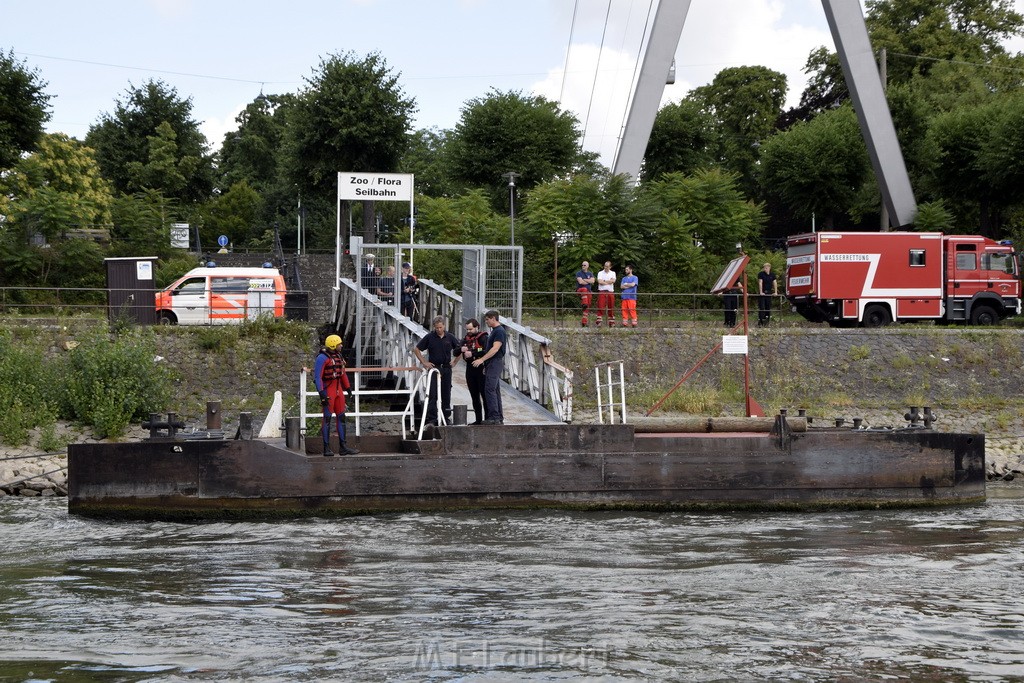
[545, 596]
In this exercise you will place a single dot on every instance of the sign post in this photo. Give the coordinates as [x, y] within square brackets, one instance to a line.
[386, 187]
[179, 235]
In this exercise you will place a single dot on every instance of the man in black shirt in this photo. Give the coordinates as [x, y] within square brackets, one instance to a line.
[493, 362]
[443, 351]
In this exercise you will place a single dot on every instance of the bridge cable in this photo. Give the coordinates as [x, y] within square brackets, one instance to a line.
[597, 70]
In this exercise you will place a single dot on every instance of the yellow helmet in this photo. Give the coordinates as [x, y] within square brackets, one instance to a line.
[332, 342]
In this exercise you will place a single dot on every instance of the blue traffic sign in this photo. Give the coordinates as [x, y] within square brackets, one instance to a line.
[222, 240]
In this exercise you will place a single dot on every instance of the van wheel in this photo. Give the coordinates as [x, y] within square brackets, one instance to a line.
[876, 315]
[983, 315]
[166, 318]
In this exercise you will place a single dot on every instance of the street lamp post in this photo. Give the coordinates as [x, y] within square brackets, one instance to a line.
[512, 175]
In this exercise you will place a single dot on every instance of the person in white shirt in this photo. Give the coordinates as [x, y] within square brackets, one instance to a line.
[606, 294]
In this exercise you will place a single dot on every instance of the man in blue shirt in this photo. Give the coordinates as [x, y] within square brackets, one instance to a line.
[629, 285]
[493, 362]
[584, 281]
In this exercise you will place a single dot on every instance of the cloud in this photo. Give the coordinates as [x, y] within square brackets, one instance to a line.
[216, 128]
[172, 9]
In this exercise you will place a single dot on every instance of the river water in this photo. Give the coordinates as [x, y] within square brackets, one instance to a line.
[929, 594]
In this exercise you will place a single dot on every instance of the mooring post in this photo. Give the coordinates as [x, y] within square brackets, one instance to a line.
[293, 433]
[213, 415]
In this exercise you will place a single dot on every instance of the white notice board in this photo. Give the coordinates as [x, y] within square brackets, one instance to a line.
[734, 343]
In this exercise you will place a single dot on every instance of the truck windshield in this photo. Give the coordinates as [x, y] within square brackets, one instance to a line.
[999, 261]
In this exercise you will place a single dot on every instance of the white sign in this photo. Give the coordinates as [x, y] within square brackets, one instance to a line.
[261, 284]
[387, 187]
[179, 235]
[143, 270]
[846, 258]
[803, 281]
[734, 344]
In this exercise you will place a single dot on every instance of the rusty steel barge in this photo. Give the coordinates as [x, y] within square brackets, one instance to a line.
[610, 467]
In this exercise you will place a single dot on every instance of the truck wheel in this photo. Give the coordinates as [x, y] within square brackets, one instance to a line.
[876, 315]
[166, 318]
[983, 315]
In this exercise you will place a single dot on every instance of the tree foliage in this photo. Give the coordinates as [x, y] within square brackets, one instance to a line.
[24, 108]
[745, 103]
[352, 116]
[817, 167]
[510, 131]
[54, 189]
[682, 140]
[132, 138]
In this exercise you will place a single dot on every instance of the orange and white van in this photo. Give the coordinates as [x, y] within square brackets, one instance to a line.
[222, 296]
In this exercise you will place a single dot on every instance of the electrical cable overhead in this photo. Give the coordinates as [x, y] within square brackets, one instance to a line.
[156, 71]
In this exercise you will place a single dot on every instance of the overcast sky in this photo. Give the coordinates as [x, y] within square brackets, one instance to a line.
[222, 53]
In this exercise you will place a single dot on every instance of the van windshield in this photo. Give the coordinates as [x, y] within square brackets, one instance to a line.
[194, 286]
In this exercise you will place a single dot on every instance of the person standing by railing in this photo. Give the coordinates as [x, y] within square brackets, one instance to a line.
[473, 348]
[606, 294]
[493, 362]
[331, 385]
[443, 349]
[584, 285]
[630, 284]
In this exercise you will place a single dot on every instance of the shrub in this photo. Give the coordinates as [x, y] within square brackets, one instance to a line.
[26, 382]
[113, 380]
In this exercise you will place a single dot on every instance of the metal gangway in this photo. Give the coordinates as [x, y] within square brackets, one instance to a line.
[531, 373]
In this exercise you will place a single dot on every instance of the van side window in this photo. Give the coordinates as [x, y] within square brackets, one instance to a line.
[229, 285]
[194, 286]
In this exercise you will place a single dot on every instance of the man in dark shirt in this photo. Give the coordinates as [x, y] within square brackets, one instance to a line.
[410, 285]
[767, 287]
[493, 362]
[473, 348]
[443, 351]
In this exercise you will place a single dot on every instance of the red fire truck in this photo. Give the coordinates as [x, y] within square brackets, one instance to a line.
[874, 278]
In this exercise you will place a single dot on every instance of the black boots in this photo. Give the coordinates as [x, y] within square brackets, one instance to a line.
[344, 450]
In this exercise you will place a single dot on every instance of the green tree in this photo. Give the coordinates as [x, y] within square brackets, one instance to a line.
[164, 170]
[959, 138]
[817, 167]
[56, 188]
[682, 140]
[253, 152]
[594, 218]
[703, 217]
[235, 213]
[745, 103]
[125, 138]
[426, 157]
[512, 132]
[352, 116]
[24, 108]
[961, 30]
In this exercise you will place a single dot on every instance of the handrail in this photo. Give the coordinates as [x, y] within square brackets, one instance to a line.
[357, 393]
[610, 385]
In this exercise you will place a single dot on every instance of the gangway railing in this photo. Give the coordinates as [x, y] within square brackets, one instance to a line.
[608, 399]
[420, 388]
[529, 363]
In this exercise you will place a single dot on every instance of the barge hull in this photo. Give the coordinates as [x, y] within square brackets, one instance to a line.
[550, 466]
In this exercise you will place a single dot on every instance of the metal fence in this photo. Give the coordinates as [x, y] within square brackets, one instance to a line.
[557, 308]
